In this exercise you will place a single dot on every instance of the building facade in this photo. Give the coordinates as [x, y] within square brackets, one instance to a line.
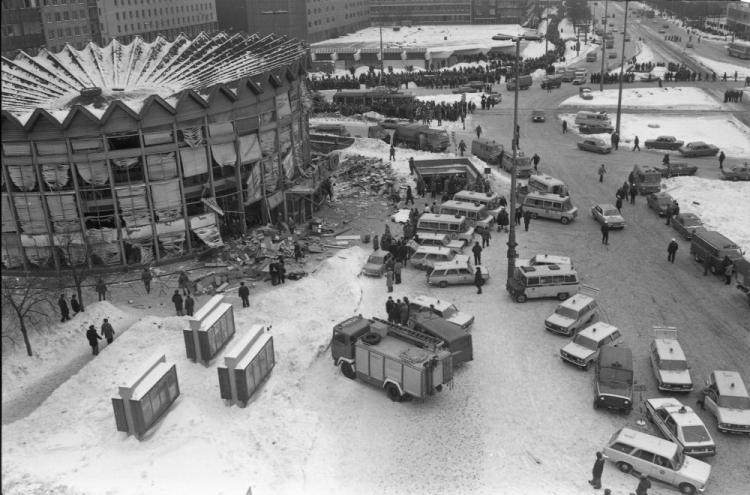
[126, 19]
[738, 19]
[434, 12]
[144, 165]
[310, 20]
[21, 25]
[70, 21]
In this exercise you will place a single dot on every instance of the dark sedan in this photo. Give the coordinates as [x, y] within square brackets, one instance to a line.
[740, 172]
[664, 143]
[699, 148]
[675, 169]
[659, 202]
[686, 224]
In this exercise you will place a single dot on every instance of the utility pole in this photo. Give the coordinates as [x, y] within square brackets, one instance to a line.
[604, 47]
[382, 55]
[622, 68]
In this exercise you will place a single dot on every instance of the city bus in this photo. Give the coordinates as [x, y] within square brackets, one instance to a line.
[739, 50]
[368, 97]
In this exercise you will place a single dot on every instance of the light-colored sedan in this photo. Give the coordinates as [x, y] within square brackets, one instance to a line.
[681, 425]
[698, 148]
[606, 213]
[686, 224]
[586, 93]
[595, 145]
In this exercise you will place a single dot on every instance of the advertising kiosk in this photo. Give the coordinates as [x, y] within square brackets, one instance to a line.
[246, 366]
[210, 329]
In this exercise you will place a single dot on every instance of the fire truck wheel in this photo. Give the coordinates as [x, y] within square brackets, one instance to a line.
[348, 371]
[393, 393]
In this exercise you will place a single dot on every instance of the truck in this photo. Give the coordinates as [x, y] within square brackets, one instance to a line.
[610, 43]
[713, 247]
[524, 83]
[649, 14]
[421, 137]
[406, 363]
[591, 57]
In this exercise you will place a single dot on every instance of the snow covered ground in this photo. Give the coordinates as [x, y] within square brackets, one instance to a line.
[743, 70]
[669, 98]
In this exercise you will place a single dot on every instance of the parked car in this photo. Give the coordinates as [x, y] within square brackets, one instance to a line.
[676, 169]
[659, 202]
[436, 240]
[740, 172]
[444, 309]
[538, 116]
[375, 266]
[689, 45]
[595, 145]
[686, 224]
[664, 143]
[606, 213]
[465, 89]
[586, 93]
[698, 148]
[458, 271]
[572, 314]
[391, 123]
[595, 128]
[579, 80]
[613, 379]
[425, 257]
[662, 31]
[726, 397]
[669, 362]
[584, 348]
[681, 425]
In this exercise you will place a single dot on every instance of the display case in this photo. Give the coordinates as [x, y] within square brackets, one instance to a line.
[210, 329]
[246, 366]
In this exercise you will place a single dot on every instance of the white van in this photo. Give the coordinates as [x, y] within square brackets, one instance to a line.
[476, 214]
[587, 117]
[457, 227]
[426, 256]
[552, 206]
[547, 184]
[491, 201]
[543, 281]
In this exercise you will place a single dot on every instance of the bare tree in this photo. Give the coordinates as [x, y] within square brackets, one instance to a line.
[80, 255]
[28, 303]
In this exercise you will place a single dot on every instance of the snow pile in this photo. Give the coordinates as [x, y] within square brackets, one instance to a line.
[698, 195]
[674, 98]
[721, 68]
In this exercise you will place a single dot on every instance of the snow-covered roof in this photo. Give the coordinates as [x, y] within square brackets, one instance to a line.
[132, 73]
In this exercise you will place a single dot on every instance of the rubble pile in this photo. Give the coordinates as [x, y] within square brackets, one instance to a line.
[359, 176]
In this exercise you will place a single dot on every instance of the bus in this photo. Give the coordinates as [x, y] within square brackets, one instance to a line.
[368, 97]
[739, 50]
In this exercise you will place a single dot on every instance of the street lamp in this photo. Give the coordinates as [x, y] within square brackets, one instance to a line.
[622, 68]
[604, 45]
[512, 234]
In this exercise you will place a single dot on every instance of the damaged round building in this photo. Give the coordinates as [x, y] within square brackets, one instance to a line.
[133, 154]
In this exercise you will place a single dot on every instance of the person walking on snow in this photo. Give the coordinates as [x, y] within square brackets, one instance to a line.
[635, 144]
[722, 156]
[486, 236]
[526, 220]
[177, 300]
[536, 160]
[462, 147]
[101, 289]
[392, 156]
[672, 250]
[478, 280]
[601, 173]
[189, 305]
[596, 473]
[409, 196]
[477, 250]
[478, 130]
[633, 193]
[107, 331]
[146, 277]
[64, 311]
[75, 305]
[605, 234]
[244, 293]
[618, 203]
[565, 126]
[93, 339]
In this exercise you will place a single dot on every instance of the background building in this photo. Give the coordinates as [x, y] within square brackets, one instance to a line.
[433, 12]
[75, 22]
[124, 19]
[21, 24]
[151, 159]
[738, 19]
[311, 20]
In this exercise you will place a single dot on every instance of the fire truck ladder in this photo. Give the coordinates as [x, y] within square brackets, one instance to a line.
[419, 338]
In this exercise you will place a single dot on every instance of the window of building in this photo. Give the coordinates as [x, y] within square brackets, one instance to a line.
[50, 34]
[59, 33]
[117, 15]
[57, 17]
[86, 29]
[77, 30]
[75, 14]
[69, 31]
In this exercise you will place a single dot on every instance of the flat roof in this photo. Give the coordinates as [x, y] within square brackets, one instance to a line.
[730, 383]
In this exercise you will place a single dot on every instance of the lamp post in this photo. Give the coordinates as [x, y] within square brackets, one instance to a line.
[512, 234]
[382, 55]
[622, 68]
[604, 46]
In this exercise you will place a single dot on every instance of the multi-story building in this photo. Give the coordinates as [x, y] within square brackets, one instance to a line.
[311, 20]
[70, 21]
[426, 12]
[125, 19]
[21, 24]
[738, 18]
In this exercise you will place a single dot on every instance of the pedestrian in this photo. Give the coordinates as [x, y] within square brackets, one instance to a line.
[404, 313]
[519, 215]
[643, 485]
[462, 147]
[596, 473]
[536, 160]
[706, 262]
[281, 270]
[94, 339]
[64, 311]
[101, 289]
[297, 251]
[389, 307]
[389, 280]
[526, 220]
[605, 233]
[394, 314]
[633, 193]
[478, 280]
[478, 130]
[147, 277]
[565, 126]
[477, 250]
[397, 267]
[189, 305]
[486, 236]
[722, 156]
[665, 160]
[244, 293]
[177, 300]
[635, 144]
[392, 156]
[618, 203]
[409, 195]
[183, 282]
[75, 305]
[672, 250]
[107, 331]
[669, 213]
[676, 209]
[602, 171]
[273, 271]
[375, 242]
[412, 168]
[728, 274]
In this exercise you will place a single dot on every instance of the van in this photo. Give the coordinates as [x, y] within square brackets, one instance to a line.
[457, 227]
[572, 315]
[591, 56]
[476, 214]
[588, 117]
[713, 246]
[458, 342]
[660, 459]
[585, 346]
[568, 75]
[613, 379]
[545, 259]
[547, 184]
[487, 149]
[444, 309]
[426, 256]
[491, 201]
[524, 167]
[647, 179]
[552, 82]
[436, 240]
[560, 281]
[552, 206]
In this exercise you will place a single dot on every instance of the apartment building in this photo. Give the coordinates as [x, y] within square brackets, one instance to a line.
[69, 21]
[21, 26]
[738, 18]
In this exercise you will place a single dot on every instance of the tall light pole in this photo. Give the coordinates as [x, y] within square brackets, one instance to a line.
[382, 55]
[512, 234]
[622, 68]
[604, 45]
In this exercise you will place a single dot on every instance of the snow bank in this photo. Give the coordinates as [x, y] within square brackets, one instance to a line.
[673, 98]
[722, 67]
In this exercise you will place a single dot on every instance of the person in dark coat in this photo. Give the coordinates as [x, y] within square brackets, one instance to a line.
[93, 339]
[486, 236]
[526, 220]
[389, 307]
[297, 252]
[502, 220]
[409, 195]
[64, 311]
[189, 305]
[728, 273]
[389, 280]
[274, 272]
[722, 156]
[101, 289]
[618, 203]
[411, 164]
[177, 300]
[146, 277]
[672, 250]
[394, 315]
[244, 294]
[375, 243]
[478, 280]
[75, 305]
[183, 282]
[596, 473]
[519, 215]
[536, 161]
[633, 193]
[643, 486]
[669, 213]
[605, 234]
[404, 312]
[676, 209]
[107, 331]
[397, 267]
[477, 250]
[281, 270]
